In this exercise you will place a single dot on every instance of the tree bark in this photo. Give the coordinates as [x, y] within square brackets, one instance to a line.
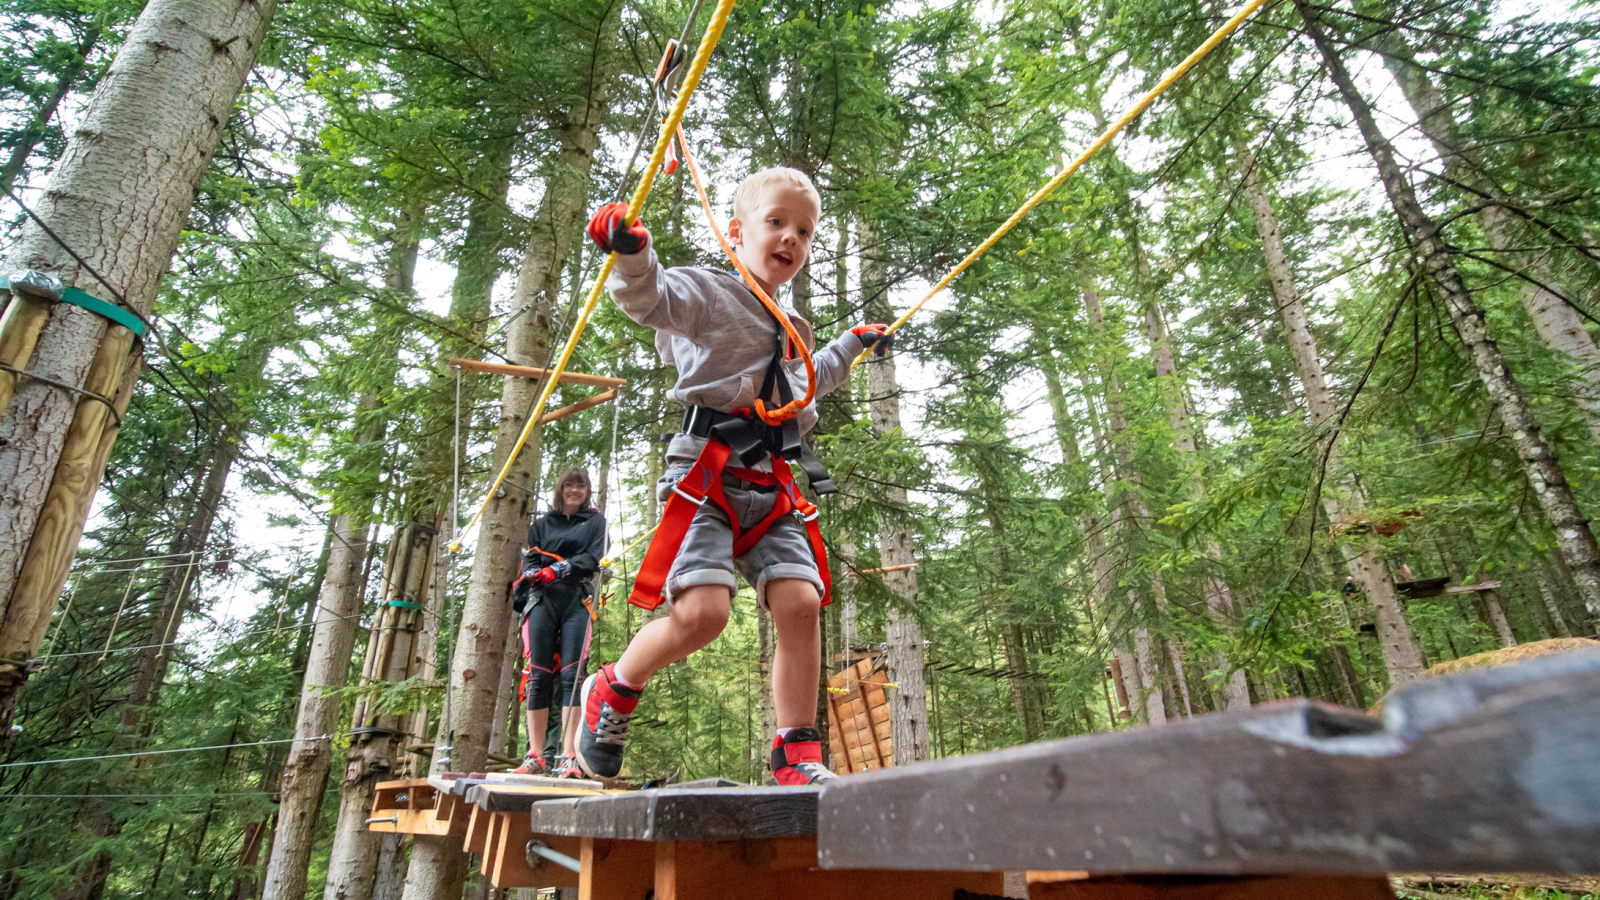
[437, 868]
[119, 197]
[908, 706]
[1549, 481]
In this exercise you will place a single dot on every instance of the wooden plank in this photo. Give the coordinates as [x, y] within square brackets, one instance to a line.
[616, 870]
[509, 866]
[1473, 588]
[1488, 770]
[477, 830]
[520, 797]
[535, 372]
[411, 821]
[697, 814]
[751, 870]
[572, 409]
[1275, 887]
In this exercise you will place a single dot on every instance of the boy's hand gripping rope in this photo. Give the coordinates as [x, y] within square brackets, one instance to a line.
[1167, 81]
[691, 80]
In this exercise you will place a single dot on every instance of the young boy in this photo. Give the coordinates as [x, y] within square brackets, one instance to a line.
[729, 352]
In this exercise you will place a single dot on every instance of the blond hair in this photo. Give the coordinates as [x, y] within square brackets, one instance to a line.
[751, 188]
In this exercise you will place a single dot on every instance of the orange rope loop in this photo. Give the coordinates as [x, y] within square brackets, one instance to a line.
[792, 408]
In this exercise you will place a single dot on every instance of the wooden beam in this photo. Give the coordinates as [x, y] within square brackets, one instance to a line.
[580, 406]
[887, 569]
[535, 372]
[1490, 770]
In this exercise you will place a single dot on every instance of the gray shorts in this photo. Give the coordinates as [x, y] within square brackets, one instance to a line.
[706, 556]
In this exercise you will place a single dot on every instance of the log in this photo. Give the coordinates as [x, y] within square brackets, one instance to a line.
[534, 372]
[1489, 770]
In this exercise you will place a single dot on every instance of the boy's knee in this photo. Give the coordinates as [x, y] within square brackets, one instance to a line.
[703, 612]
[793, 600]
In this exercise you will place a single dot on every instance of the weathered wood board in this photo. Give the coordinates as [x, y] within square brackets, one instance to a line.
[683, 814]
[1489, 770]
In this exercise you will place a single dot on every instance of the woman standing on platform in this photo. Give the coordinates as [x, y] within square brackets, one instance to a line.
[554, 594]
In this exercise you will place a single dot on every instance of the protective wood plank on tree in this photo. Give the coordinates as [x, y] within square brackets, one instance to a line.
[1488, 770]
[1277, 887]
[697, 814]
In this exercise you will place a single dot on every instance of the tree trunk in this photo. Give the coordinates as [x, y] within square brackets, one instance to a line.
[1401, 656]
[1549, 481]
[908, 707]
[119, 197]
[24, 143]
[1556, 321]
[328, 667]
[393, 655]
[437, 868]
[1131, 507]
[1497, 618]
[1551, 595]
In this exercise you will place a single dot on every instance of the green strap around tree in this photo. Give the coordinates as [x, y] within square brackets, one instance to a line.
[115, 313]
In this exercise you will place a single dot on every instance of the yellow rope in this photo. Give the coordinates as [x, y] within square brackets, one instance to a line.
[691, 80]
[1099, 144]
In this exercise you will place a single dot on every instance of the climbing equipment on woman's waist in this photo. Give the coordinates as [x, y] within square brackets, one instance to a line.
[703, 482]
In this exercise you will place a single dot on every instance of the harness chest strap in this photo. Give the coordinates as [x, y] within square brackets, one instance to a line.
[703, 483]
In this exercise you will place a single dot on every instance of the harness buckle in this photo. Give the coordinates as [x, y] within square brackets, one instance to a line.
[697, 501]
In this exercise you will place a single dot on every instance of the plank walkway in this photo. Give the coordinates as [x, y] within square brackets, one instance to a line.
[1488, 770]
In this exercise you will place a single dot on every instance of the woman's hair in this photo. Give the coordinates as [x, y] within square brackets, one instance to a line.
[571, 476]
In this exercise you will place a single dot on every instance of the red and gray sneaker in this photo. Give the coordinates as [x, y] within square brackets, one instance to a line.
[608, 706]
[797, 758]
[532, 764]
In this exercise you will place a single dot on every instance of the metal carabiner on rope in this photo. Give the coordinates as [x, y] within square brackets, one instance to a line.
[667, 79]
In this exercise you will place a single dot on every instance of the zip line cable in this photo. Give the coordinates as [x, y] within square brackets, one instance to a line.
[691, 80]
[1100, 143]
[72, 759]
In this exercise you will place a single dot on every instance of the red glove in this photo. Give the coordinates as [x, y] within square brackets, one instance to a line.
[545, 575]
[610, 229]
[874, 337]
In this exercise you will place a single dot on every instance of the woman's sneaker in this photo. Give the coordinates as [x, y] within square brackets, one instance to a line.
[607, 706]
[532, 764]
[797, 758]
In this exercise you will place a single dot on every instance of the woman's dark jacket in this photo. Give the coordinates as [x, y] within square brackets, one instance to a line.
[580, 539]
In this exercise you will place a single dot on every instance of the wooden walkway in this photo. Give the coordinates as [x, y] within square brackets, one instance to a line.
[1486, 771]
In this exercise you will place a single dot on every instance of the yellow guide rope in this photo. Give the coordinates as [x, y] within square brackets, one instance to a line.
[691, 80]
[1099, 144]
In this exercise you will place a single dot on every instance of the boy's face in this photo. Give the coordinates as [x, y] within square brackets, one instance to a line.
[774, 244]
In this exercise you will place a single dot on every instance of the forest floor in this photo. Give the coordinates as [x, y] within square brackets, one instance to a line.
[1420, 886]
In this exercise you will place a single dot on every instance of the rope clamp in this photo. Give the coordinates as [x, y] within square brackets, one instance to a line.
[50, 289]
[668, 78]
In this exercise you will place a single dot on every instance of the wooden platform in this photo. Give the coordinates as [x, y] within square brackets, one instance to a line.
[1490, 770]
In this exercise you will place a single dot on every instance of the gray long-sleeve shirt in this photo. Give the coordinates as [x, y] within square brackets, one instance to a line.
[719, 337]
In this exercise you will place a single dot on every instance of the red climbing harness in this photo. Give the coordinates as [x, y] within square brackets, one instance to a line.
[703, 482]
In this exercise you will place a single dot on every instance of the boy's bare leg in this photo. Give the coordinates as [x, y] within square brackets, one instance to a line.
[797, 658]
[538, 723]
[698, 615]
